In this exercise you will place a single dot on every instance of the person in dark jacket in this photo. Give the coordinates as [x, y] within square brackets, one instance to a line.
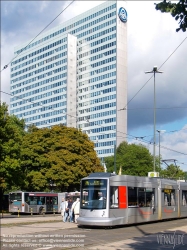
[68, 211]
[70, 203]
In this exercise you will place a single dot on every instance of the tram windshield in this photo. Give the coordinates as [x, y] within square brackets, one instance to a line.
[15, 197]
[94, 194]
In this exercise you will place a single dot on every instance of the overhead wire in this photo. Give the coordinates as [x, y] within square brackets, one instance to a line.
[152, 143]
[157, 108]
[128, 101]
[6, 66]
[153, 74]
[166, 132]
[161, 146]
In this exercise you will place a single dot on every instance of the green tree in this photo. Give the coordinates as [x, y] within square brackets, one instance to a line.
[132, 159]
[177, 10]
[11, 134]
[173, 171]
[59, 154]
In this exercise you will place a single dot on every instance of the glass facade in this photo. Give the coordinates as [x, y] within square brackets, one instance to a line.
[75, 74]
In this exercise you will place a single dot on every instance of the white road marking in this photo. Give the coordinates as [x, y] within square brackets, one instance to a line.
[43, 248]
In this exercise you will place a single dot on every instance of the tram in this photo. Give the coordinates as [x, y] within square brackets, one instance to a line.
[38, 202]
[110, 200]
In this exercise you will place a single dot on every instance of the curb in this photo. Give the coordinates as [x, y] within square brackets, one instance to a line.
[28, 222]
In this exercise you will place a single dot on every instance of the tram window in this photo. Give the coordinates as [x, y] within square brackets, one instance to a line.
[41, 200]
[15, 196]
[91, 197]
[150, 197]
[33, 200]
[169, 197]
[27, 200]
[132, 197]
[141, 197]
[49, 201]
[184, 198]
[55, 201]
[84, 198]
[114, 197]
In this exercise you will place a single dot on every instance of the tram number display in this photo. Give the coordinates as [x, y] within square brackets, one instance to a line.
[94, 183]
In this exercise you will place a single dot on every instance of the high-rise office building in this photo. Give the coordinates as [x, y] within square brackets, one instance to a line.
[76, 74]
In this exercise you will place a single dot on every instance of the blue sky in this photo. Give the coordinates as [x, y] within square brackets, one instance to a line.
[151, 40]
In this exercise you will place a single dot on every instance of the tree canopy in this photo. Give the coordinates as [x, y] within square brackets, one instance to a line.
[41, 159]
[131, 159]
[57, 155]
[11, 134]
[173, 171]
[177, 10]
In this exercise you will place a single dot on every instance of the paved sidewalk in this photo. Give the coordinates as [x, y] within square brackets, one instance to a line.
[31, 225]
[26, 219]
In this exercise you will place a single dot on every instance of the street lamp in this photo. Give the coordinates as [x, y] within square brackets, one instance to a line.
[154, 71]
[52, 184]
[160, 131]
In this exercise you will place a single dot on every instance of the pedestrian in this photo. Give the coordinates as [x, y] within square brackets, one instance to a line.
[76, 209]
[102, 197]
[62, 208]
[69, 208]
[66, 214]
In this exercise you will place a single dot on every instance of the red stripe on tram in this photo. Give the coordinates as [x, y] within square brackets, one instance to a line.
[123, 197]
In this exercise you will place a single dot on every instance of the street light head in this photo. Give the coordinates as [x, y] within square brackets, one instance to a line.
[161, 131]
[155, 68]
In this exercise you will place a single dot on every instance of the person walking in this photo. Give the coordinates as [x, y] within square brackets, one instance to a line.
[62, 208]
[69, 207]
[66, 214]
[76, 209]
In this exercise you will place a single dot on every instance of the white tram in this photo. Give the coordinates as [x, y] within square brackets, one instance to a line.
[109, 200]
[38, 202]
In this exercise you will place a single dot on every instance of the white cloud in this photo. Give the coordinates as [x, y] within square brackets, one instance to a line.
[175, 141]
[151, 40]
[43, 6]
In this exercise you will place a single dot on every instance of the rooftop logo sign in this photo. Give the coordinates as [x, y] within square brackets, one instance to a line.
[122, 15]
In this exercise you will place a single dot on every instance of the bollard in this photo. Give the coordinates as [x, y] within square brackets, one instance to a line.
[54, 211]
[31, 211]
[43, 211]
[18, 212]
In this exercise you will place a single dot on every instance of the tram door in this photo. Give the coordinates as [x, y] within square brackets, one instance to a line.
[49, 204]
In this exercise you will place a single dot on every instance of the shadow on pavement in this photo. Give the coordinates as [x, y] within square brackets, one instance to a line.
[160, 241]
